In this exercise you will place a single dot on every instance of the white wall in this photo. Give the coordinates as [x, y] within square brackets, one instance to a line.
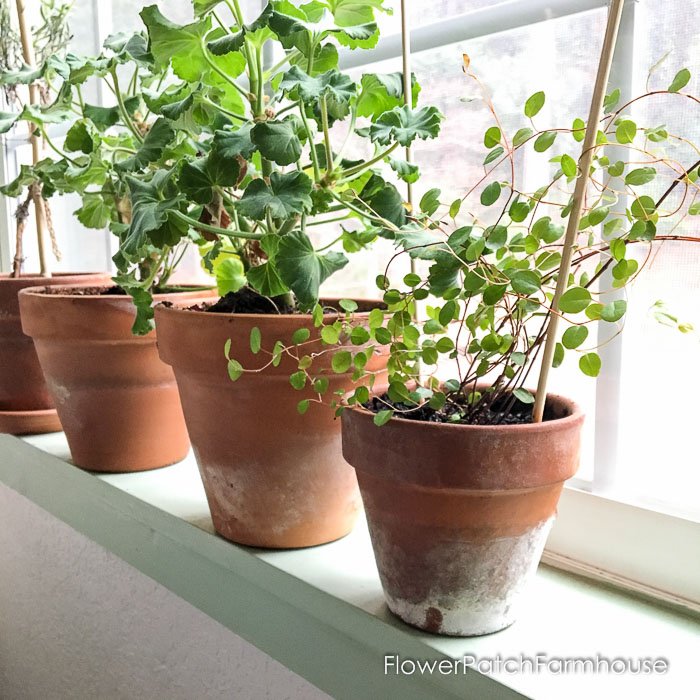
[76, 622]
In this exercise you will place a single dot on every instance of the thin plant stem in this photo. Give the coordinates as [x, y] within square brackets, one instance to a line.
[368, 164]
[326, 136]
[122, 108]
[314, 155]
[221, 72]
[229, 233]
[53, 147]
[227, 112]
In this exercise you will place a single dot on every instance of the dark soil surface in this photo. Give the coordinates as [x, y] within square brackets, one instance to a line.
[519, 414]
[248, 301]
[86, 291]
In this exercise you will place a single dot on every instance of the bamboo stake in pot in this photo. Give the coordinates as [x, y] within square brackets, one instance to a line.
[34, 98]
[584, 166]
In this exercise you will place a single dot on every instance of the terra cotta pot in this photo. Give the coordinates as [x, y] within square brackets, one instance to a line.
[118, 403]
[459, 514]
[273, 477]
[25, 403]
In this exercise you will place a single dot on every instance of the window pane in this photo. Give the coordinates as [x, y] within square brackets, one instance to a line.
[658, 458]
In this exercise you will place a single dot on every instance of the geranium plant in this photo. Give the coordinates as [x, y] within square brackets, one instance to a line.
[489, 280]
[206, 144]
[262, 165]
[20, 51]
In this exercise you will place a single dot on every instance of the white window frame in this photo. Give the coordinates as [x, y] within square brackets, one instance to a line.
[651, 552]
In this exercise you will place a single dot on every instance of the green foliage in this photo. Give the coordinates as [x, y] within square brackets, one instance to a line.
[191, 153]
[534, 104]
[404, 125]
[489, 282]
[680, 81]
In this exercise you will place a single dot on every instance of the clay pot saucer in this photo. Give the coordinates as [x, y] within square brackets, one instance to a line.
[30, 422]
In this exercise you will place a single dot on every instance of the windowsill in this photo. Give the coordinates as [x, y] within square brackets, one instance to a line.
[321, 612]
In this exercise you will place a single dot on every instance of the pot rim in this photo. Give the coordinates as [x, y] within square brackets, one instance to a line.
[39, 289]
[575, 415]
[4, 276]
[162, 308]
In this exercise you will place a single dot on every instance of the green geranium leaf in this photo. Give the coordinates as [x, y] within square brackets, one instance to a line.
[172, 102]
[158, 137]
[229, 144]
[444, 273]
[174, 110]
[277, 141]
[82, 136]
[408, 172]
[266, 279]
[325, 58]
[360, 36]
[84, 171]
[385, 200]
[181, 45]
[351, 12]
[7, 121]
[287, 194]
[198, 177]
[81, 68]
[201, 7]
[130, 47]
[26, 177]
[302, 269]
[381, 92]
[229, 274]
[151, 220]
[404, 125]
[337, 88]
[23, 76]
[55, 113]
[104, 117]
[143, 301]
[94, 213]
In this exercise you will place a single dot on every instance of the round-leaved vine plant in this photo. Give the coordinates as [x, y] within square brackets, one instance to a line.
[485, 282]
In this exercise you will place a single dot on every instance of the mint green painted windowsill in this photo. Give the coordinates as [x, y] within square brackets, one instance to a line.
[320, 611]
